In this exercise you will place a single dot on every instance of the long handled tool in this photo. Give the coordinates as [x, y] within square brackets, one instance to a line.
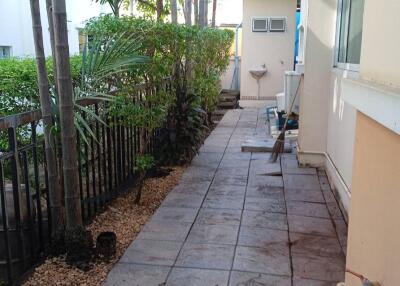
[280, 141]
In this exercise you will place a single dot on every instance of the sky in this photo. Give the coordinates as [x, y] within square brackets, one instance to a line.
[229, 11]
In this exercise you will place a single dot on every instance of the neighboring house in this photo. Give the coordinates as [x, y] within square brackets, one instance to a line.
[269, 29]
[231, 77]
[350, 122]
[16, 38]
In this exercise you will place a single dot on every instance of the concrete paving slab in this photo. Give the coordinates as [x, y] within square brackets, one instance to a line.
[304, 244]
[261, 237]
[272, 260]
[311, 225]
[137, 275]
[161, 230]
[152, 252]
[227, 221]
[219, 216]
[206, 256]
[265, 220]
[315, 267]
[175, 214]
[213, 233]
[307, 209]
[265, 204]
[239, 278]
[215, 201]
[197, 277]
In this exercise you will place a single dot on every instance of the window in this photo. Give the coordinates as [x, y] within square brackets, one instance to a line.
[5, 52]
[260, 25]
[349, 33]
[277, 24]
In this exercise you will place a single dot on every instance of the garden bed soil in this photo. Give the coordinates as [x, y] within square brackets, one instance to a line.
[124, 218]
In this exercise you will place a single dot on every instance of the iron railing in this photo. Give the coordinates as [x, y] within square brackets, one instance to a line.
[106, 168]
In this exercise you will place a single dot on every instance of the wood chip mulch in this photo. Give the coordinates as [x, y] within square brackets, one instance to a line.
[124, 218]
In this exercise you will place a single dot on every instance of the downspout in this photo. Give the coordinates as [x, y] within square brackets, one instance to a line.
[235, 78]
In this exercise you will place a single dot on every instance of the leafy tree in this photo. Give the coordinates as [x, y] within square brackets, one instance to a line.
[114, 4]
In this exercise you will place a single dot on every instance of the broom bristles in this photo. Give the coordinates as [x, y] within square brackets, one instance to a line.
[278, 147]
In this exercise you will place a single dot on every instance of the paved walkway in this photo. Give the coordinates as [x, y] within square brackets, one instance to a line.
[227, 223]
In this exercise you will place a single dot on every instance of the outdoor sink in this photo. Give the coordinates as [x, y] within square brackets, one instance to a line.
[258, 73]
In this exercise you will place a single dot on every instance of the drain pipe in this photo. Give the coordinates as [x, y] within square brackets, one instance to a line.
[235, 78]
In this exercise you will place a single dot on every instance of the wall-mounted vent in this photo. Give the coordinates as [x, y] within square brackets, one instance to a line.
[260, 24]
[277, 24]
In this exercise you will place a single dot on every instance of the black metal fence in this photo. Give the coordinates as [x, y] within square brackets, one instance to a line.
[106, 167]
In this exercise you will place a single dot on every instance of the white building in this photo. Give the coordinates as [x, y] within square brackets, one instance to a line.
[16, 38]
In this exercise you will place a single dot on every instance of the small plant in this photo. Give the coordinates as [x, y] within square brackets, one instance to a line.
[143, 164]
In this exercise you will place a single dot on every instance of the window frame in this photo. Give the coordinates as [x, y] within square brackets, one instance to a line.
[339, 16]
[266, 30]
[284, 19]
[9, 52]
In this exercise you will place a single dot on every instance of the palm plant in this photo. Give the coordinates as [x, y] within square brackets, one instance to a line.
[104, 62]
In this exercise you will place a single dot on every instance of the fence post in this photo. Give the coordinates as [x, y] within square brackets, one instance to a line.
[17, 196]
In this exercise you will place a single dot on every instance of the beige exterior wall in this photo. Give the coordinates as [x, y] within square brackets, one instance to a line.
[275, 50]
[374, 229]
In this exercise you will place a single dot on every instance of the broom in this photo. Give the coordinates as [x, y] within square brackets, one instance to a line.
[280, 141]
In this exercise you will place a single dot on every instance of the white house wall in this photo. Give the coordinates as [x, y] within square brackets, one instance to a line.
[275, 50]
[327, 123]
[16, 25]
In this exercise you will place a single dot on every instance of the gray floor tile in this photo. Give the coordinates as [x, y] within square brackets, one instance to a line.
[224, 202]
[197, 277]
[137, 275]
[175, 214]
[268, 192]
[161, 230]
[307, 209]
[304, 182]
[312, 196]
[316, 245]
[290, 166]
[263, 181]
[264, 220]
[257, 279]
[152, 252]
[272, 260]
[209, 256]
[307, 282]
[183, 200]
[318, 268]
[261, 237]
[227, 190]
[194, 188]
[263, 204]
[311, 225]
[219, 216]
[213, 233]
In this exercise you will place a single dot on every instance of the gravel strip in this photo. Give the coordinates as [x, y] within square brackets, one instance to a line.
[122, 217]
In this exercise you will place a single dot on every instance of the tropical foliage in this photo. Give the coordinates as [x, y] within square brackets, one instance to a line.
[195, 57]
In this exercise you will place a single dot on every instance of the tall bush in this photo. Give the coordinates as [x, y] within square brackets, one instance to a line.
[195, 57]
[19, 89]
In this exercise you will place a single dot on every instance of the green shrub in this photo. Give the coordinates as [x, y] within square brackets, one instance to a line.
[194, 57]
[18, 83]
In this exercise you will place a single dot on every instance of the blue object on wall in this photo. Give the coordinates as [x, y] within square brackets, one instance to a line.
[297, 37]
